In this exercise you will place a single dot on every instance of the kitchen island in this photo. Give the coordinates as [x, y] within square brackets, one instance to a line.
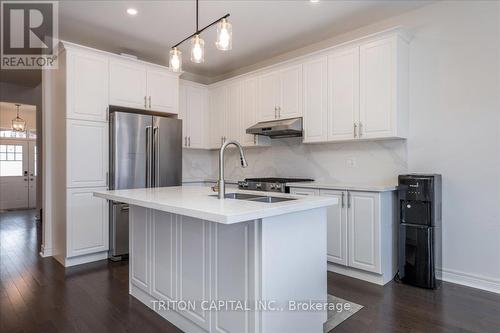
[232, 265]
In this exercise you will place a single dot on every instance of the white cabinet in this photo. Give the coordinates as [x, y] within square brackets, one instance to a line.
[336, 228]
[384, 88]
[217, 116]
[364, 231]
[162, 90]
[280, 94]
[127, 84]
[343, 94]
[193, 110]
[315, 100]
[136, 85]
[86, 153]
[250, 112]
[87, 77]
[87, 222]
[233, 129]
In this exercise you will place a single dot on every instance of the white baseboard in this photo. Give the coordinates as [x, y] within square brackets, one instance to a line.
[83, 259]
[358, 274]
[46, 252]
[470, 280]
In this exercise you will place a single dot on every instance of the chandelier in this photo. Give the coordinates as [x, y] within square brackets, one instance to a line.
[18, 124]
[223, 42]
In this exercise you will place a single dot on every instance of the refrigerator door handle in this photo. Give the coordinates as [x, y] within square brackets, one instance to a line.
[156, 153]
[148, 156]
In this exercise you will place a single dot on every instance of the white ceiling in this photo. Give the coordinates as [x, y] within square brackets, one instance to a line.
[261, 29]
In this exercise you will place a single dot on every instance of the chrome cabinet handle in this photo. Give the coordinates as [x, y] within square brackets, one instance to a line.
[221, 140]
[185, 141]
[150, 102]
[342, 200]
[279, 112]
[145, 102]
[254, 139]
[360, 133]
[275, 112]
[348, 199]
[189, 141]
[355, 129]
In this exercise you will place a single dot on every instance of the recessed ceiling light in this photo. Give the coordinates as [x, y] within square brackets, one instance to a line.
[314, 1]
[132, 11]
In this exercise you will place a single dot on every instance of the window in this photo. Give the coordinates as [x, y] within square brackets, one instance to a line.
[11, 160]
[8, 133]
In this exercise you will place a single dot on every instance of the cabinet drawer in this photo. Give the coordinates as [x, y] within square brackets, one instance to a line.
[304, 191]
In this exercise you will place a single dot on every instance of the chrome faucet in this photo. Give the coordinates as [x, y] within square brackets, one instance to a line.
[221, 184]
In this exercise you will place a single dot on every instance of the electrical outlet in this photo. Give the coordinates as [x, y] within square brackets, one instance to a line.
[351, 162]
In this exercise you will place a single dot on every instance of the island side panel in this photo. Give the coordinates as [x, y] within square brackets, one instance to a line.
[294, 267]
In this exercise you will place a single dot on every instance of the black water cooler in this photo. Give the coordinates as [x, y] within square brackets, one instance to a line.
[419, 241]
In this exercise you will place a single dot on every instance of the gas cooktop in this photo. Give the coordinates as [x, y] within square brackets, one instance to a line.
[270, 184]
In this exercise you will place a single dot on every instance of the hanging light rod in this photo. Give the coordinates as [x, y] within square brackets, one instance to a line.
[223, 43]
[201, 30]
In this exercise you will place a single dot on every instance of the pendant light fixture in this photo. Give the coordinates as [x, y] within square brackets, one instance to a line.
[223, 43]
[18, 124]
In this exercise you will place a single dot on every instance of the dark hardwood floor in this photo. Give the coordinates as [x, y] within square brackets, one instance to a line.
[39, 295]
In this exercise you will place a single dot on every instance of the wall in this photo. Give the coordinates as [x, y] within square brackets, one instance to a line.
[454, 130]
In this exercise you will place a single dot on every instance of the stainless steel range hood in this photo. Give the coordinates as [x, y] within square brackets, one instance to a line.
[283, 128]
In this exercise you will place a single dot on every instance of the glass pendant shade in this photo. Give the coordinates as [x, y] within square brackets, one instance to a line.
[197, 49]
[224, 36]
[175, 60]
[18, 124]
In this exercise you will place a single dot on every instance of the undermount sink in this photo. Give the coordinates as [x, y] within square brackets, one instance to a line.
[254, 197]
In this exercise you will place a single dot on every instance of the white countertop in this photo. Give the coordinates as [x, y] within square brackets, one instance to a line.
[340, 186]
[196, 201]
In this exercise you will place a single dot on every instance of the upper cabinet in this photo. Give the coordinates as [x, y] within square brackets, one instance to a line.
[315, 99]
[193, 110]
[140, 86]
[367, 92]
[280, 94]
[87, 85]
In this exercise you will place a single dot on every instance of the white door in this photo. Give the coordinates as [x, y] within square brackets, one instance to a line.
[291, 92]
[162, 91]
[233, 112]
[127, 84]
[196, 114]
[315, 100]
[343, 94]
[336, 228]
[217, 116]
[87, 222]
[14, 181]
[269, 96]
[87, 153]
[377, 89]
[88, 84]
[364, 231]
[32, 173]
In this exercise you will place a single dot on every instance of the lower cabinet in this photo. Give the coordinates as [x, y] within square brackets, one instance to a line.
[179, 258]
[87, 222]
[361, 233]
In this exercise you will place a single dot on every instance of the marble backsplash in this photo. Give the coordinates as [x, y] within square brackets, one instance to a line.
[373, 162]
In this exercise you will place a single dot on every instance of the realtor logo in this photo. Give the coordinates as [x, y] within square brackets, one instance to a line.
[29, 35]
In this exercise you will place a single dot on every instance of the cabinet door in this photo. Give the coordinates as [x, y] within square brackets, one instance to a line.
[194, 266]
[163, 252]
[249, 110]
[88, 84]
[315, 100]
[343, 94]
[291, 92]
[87, 222]
[139, 242]
[269, 96]
[127, 84]
[364, 231]
[162, 91]
[377, 89]
[196, 112]
[233, 271]
[233, 112]
[336, 228]
[217, 116]
[183, 112]
[86, 153]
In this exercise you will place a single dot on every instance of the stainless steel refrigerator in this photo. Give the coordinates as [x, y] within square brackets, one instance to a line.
[145, 151]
